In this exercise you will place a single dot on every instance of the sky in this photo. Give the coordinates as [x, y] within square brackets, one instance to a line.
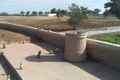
[15, 6]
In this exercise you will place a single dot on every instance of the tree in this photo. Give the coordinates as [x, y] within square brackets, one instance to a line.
[34, 13]
[91, 12]
[106, 13]
[54, 10]
[46, 13]
[22, 13]
[64, 12]
[4, 14]
[40, 13]
[27, 13]
[97, 11]
[59, 13]
[84, 12]
[77, 14]
[113, 7]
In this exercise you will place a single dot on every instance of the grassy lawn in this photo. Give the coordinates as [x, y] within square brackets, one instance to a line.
[112, 38]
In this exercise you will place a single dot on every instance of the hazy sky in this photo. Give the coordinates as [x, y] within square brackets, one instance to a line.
[45, 5]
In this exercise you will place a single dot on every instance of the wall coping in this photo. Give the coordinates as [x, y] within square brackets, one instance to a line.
[104, 42]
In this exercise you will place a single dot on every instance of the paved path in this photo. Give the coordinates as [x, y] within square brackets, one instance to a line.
[50, 67]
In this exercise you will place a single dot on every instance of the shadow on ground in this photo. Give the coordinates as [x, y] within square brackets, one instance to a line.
[45, 58]
[99, 70]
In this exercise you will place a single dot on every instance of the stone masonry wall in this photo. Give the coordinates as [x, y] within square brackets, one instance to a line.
[98, 50]
[48, 36]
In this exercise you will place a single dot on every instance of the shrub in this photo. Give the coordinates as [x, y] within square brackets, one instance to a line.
[77, 14]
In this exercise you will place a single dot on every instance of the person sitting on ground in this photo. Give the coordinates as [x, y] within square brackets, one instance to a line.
[39, 54]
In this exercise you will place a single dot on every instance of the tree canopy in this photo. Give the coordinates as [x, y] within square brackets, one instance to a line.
[54, 10]
[40, 13]
[34, 13]
[22, 13]
[27, 13]
[113, 6]
[97, 11]
[61, 12]
[77, 14]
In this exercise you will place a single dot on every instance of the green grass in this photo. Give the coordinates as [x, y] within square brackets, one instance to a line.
[112, 38]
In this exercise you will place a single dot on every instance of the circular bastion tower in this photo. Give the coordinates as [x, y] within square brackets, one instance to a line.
[75, 47]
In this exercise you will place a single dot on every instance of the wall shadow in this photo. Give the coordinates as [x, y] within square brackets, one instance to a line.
[56, 56]
[43, 58]
[99, 70]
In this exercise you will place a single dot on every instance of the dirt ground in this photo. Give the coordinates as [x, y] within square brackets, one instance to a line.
[10, 37]
[60, 24]
[52, 23]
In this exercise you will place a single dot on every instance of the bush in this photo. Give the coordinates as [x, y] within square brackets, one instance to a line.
[77, 14]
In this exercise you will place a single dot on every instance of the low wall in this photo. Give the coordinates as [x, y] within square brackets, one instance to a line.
[51, 37]
[105, 52]
[48, 36]
[101, 51]
[18, 28]
[9, 69]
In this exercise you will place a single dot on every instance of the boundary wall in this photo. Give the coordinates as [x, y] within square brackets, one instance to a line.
[105, 52]
[46, 35]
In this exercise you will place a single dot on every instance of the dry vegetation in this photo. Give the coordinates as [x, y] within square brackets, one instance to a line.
[52, 23]
[9, 37]
[61, 24]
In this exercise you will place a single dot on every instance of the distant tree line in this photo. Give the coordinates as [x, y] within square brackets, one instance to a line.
[58, 12]
[75, 12]
[4, 14]
[31, 13]
[112, 8]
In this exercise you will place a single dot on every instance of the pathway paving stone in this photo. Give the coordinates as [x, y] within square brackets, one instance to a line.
[51, 67]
